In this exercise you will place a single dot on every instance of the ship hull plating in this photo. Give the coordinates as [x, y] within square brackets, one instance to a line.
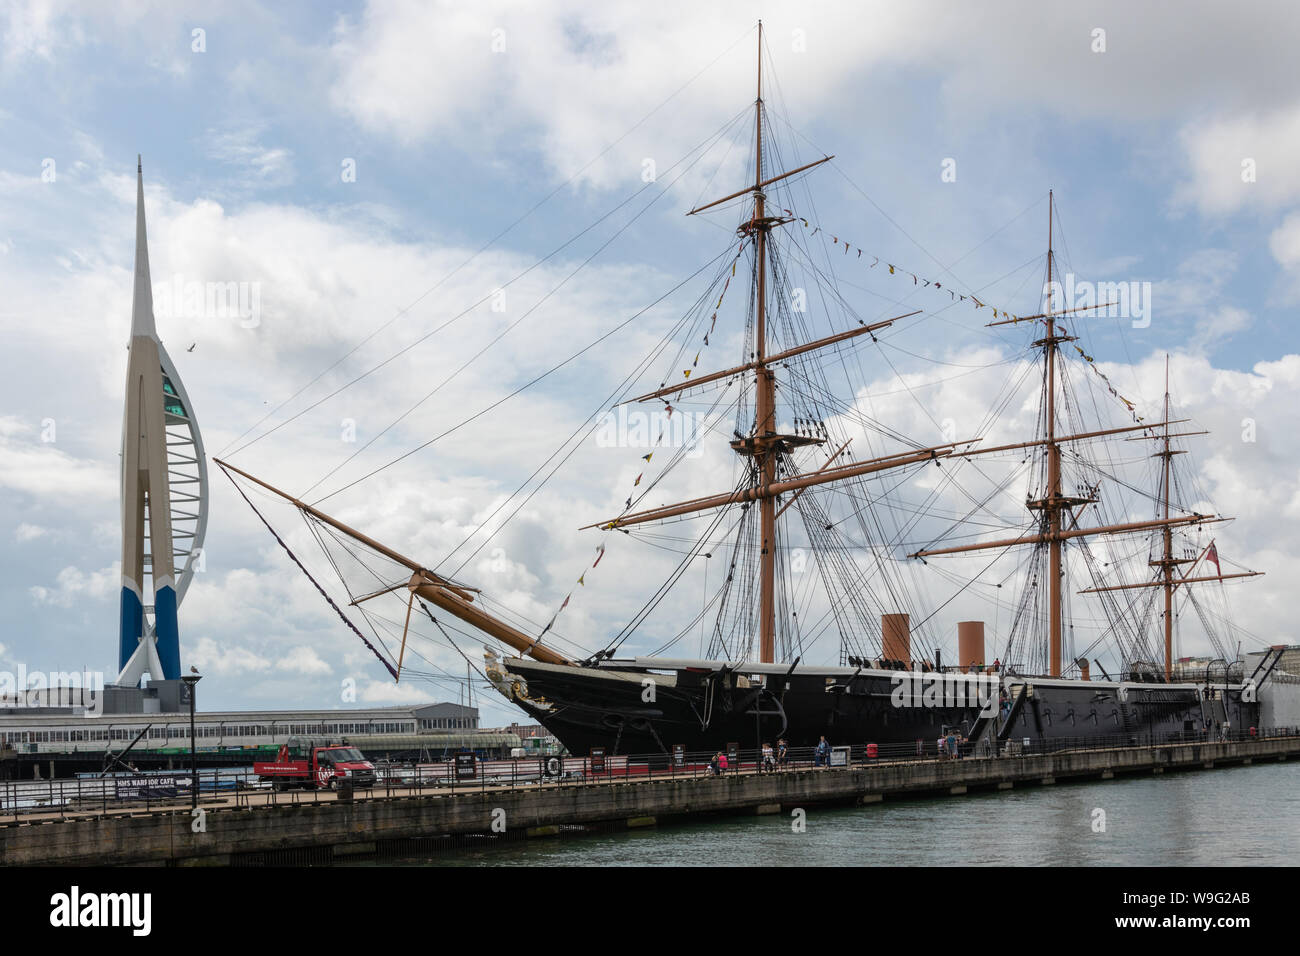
[639, 710]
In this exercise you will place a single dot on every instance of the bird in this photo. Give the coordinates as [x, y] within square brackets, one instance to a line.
[193, 669]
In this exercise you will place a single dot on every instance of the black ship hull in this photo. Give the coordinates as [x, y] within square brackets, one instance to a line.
[650, 707]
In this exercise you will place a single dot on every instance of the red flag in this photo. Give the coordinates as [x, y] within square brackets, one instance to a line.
[1213, 555]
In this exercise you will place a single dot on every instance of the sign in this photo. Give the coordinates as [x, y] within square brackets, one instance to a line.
[466, 768]
[149, 787]
[839, 757]
[733, 755]
[597, 759]
[679, 755]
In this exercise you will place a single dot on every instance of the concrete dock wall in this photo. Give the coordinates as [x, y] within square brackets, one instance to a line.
[332, 829]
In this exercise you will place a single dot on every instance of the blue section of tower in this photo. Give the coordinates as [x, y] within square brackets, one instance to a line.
[132, 626]
[169, 640]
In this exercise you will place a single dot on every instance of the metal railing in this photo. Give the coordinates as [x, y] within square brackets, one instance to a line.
[170, 790]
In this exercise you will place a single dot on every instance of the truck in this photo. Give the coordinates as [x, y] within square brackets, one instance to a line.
[316, 763]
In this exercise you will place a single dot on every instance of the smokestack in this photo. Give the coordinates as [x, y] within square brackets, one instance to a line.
[970, 644]
[896, 642]
[1083, 668]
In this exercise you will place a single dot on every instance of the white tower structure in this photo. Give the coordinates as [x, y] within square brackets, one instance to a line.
[164, 489]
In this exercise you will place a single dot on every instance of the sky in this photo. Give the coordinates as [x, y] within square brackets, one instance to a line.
[373, 175]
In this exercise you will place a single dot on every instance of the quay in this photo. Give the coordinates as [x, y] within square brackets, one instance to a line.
[264, 827]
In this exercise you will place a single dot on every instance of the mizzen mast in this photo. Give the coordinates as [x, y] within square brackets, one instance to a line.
[1167, 564]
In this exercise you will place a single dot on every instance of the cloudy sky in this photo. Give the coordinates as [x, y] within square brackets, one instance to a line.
[362, 170]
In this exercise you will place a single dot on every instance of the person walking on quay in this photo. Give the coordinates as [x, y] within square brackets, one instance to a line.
[722, 762]
[715, 765]
[941, 745]
[822, 753]
[782, 753]
[769, 764]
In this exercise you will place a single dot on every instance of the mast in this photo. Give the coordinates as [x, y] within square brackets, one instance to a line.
[1167, 564]
[1054, 503]
[1167, 568]
[765, 451]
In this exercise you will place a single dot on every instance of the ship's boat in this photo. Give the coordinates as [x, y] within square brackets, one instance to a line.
[797, 402]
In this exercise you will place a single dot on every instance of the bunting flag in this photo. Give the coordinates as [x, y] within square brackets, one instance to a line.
[917, 279]
[668, 411]
[1110, 386]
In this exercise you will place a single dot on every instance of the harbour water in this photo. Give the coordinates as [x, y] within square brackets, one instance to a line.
[1242, 816]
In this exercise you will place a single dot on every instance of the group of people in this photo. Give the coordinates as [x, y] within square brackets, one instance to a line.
[770, 760]
[949, 745]
[774, 758]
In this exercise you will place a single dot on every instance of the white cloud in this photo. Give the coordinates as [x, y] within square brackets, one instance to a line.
[303, 660]
[1243, 161]
[73, 585]
[379, 694]
[29, 532]
[224, 659]
[270, 166]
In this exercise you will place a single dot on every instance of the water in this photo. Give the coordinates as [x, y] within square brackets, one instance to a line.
[1248, 816]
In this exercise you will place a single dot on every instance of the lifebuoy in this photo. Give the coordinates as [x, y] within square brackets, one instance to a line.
[554, 766]
[324, 776]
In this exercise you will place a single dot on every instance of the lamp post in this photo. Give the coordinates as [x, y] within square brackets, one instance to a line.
[190, 680]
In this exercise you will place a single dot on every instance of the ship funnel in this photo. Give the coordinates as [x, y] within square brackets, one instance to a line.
[1083, 668]
[970, 644]
[896, 638]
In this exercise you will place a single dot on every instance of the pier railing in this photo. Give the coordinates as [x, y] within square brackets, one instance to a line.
[125, 793]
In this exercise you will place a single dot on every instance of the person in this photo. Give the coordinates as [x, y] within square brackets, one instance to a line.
[823, 752]
[952, 744]
[768, 763]
[782, 752]
[940, 745]
[722, 762]
[715, 765]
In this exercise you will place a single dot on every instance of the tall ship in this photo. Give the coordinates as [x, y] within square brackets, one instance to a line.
[821, 534]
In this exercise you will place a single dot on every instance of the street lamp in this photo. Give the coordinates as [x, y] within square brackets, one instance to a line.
[190, 680]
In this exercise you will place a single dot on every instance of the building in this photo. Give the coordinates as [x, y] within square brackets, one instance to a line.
[68, 730]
